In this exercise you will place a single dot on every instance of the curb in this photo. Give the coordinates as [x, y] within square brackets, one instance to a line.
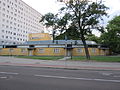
[62, 66]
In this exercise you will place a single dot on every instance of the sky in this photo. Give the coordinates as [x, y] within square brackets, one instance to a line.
[45, 6]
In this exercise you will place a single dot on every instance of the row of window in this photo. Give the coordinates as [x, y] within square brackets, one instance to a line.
[14, 38]
[19, 3]
[27, 22]
[14, 28]
[31, 23]
[40, 50]
[6, 42]
[56, 50]
[13, 33]
[80, 50]
[20, 13]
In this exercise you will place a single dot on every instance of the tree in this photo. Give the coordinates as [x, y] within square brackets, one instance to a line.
[50, 20]
[57, 23]
[111, 37]
[92, 37]
[86, 16]
[71, 33]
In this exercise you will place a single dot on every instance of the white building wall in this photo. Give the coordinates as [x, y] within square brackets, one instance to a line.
[17, 20]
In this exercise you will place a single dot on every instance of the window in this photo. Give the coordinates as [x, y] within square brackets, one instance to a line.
[11, 27]
[23, 50]
[11, 50]
[15, 5]
[56, 50]
[11, 18]
[14, 33]
[2, 30]
[16, 1]
[8, 6]
[0, 49]
[15, 10]
[10, 22]
[6, 36]
[79, 50]
[2, 36]
[3, 15]
[3, 25]
[3, 20]
[93, 50]
[3, 9]
[7, 21]
[7, 26]
[7, 0]
[7, 16]
[11, 12]
[7, 11]
[3, 4]
[15, 14]
[41, 50]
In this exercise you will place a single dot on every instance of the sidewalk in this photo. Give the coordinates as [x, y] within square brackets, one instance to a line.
[59, 64]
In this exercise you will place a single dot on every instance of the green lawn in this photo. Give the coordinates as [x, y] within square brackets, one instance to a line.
[100, 58]
[77, 58]
[41, 57]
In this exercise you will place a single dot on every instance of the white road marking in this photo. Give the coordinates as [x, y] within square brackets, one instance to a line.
[116, 76]
[9, 73]
[3, 77]
[75, 78]
[107, 74]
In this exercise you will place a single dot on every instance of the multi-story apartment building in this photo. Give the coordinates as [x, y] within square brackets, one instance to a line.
[17, 20]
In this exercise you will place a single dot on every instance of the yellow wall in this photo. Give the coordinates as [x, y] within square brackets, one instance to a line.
[13, 51]
[39, 36]
[50, 51]
[76, 53]
[97, 52]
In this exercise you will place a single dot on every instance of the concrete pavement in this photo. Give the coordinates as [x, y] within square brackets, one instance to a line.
[34, 78]
[59, 63]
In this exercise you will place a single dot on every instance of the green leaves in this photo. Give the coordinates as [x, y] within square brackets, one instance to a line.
[84, 16]
[112, 37]
[49, 19]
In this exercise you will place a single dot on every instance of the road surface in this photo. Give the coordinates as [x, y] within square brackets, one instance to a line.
[33, 78]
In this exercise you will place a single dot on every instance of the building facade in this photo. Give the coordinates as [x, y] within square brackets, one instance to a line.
[39, 36]
[58, 48]
[17, 20]
[40, 44]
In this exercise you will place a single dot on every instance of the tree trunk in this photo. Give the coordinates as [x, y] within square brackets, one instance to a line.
[53, 34]
[86, 48]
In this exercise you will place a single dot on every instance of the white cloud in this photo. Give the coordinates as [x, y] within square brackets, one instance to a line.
[114, 5]
[44, 6]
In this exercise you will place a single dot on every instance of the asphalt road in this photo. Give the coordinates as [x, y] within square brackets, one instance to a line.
[31, 78]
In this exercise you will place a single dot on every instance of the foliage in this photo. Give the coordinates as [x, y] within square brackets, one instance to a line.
[71, 34]
[111, 37]
[100, 58]
[92, 37]
[49, 20]
[84, 15]
[57, 23]
[41, 57]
